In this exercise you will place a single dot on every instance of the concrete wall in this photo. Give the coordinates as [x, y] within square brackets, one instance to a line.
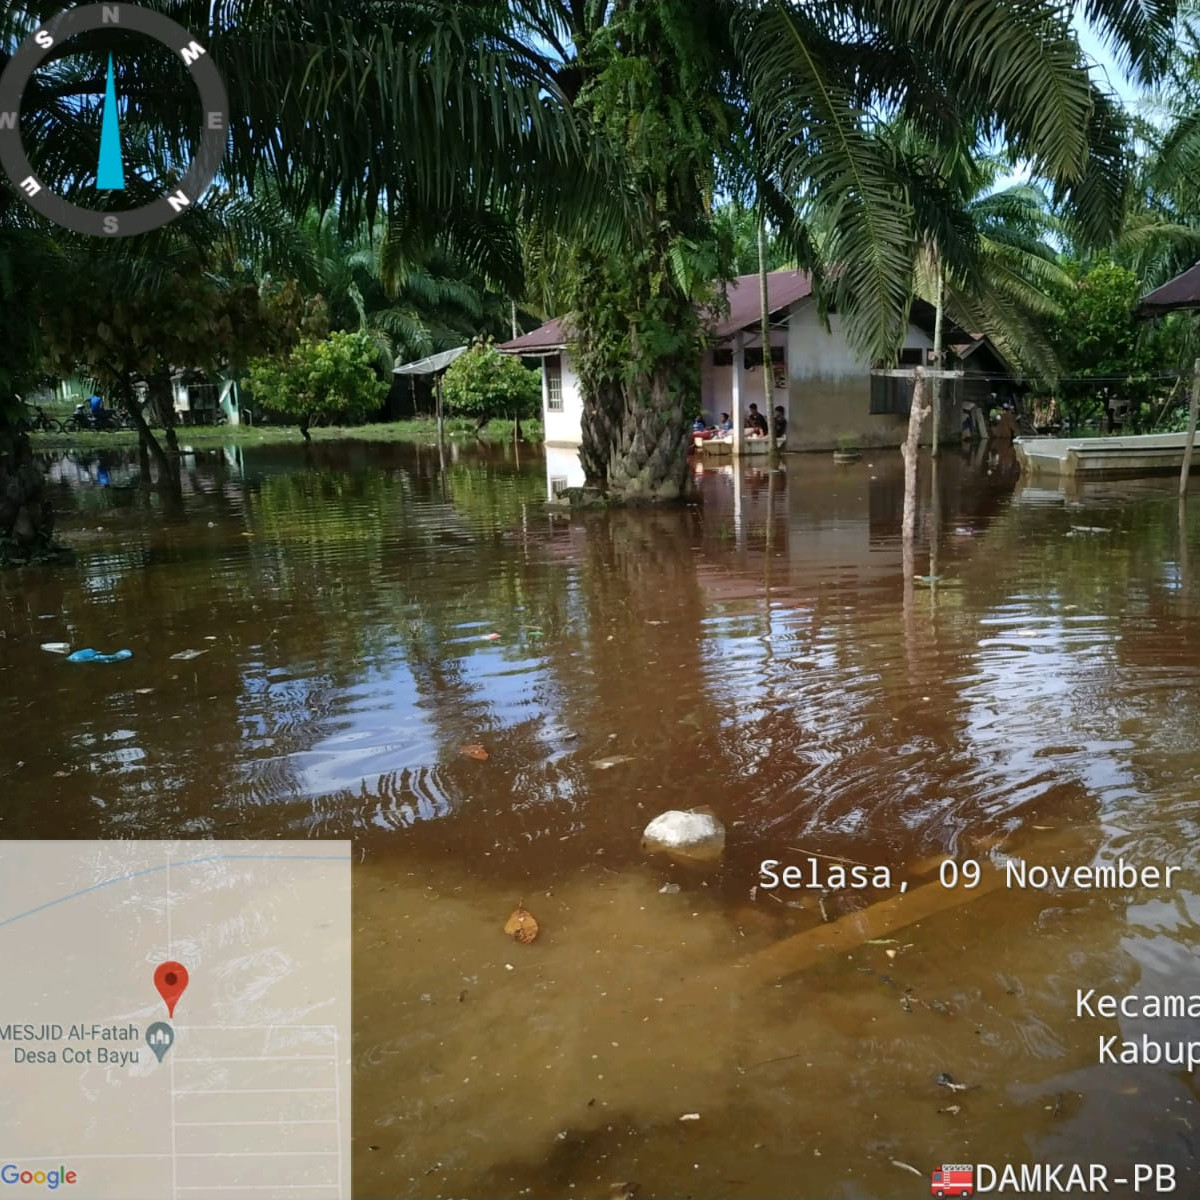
[831, 386]
[716, 383]
[564, 428]
[828, 394]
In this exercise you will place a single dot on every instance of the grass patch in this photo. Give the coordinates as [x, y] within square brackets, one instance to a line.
[418, 430]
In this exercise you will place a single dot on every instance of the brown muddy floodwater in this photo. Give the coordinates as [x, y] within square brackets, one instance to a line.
[758, 653]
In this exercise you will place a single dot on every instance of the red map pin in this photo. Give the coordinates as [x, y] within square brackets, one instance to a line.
[170, 978]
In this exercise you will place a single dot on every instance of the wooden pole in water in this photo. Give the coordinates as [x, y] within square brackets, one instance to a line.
[935, 524]
[736, 395]
[1189, 443]
[937, 361]
[441, 423]
[910, 451]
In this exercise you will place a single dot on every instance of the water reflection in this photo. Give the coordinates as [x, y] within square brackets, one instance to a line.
[318, 633]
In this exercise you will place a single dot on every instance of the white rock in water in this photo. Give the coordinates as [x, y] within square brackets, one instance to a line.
[694, 834]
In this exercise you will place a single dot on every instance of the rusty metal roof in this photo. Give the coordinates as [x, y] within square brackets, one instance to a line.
[784, 288]
[1181, 292]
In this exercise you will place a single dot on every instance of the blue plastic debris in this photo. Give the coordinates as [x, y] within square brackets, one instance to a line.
[96, 656]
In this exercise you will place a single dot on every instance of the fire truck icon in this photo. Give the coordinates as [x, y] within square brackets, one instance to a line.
[953, 1179]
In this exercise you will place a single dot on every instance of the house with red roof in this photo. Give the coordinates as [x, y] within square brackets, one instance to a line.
[826, 389]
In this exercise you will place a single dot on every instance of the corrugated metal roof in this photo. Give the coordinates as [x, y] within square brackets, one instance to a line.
[1181, 292]
[431, 365]
[544, 340]
[784, 288]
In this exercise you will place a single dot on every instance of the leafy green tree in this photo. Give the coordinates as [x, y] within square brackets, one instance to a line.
[127, 313]
[483, 383]
[321, 381]
[1107, 353]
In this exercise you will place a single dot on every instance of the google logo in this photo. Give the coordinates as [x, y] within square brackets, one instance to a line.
[52, 1179]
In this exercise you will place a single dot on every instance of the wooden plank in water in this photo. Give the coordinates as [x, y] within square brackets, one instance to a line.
[847, 933]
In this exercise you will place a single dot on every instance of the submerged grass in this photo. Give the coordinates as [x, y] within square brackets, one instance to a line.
[420, 429]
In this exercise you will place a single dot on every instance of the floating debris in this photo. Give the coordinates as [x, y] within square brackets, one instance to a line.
[521, 926]
[946, 1080]
[81, 656]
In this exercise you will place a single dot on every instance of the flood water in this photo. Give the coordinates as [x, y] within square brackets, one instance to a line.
[357, 619]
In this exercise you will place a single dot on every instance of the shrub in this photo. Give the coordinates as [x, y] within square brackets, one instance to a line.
[331, 379]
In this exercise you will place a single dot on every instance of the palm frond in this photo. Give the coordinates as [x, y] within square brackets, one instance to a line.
[814, 137]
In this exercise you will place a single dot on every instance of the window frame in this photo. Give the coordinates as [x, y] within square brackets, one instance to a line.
[552, 373]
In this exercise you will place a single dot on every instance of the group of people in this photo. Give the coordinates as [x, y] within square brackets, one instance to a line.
[755, 424]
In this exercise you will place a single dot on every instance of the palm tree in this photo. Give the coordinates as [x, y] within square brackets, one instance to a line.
[411, 301]
[808, 86]
[574, 111]
[1011, 285]
[821, 78]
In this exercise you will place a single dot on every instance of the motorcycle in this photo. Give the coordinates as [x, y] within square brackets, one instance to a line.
[98, 420]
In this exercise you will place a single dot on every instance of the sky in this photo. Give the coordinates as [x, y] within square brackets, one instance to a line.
[1106, 70]
[1107, 73]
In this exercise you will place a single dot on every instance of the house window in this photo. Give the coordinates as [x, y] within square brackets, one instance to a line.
[558, 485]
[891, 394]
[722, 358]
[552, 368]
[912, 357]
[754, 356]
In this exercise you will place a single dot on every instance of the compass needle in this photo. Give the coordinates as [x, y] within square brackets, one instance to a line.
[110, 174]
[121, 21]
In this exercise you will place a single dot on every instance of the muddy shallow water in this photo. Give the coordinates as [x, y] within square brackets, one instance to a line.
[760, 653]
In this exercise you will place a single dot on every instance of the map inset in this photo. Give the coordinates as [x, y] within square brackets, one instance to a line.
[175, 1019]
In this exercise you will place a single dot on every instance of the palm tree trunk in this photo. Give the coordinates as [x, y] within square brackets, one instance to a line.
[164, 406]
[634, 447]
[26, 516]
[168, 465]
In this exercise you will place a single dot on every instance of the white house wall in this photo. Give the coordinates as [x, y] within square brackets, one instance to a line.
[830, 385]
[828, 394]
[564, 428]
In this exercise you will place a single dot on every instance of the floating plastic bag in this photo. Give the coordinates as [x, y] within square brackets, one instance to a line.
[96, 656]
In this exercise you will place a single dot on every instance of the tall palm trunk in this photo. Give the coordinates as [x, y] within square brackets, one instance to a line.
[26, 515]
[164, 405]
[768, 370]
[168, 464]
[634, 446]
